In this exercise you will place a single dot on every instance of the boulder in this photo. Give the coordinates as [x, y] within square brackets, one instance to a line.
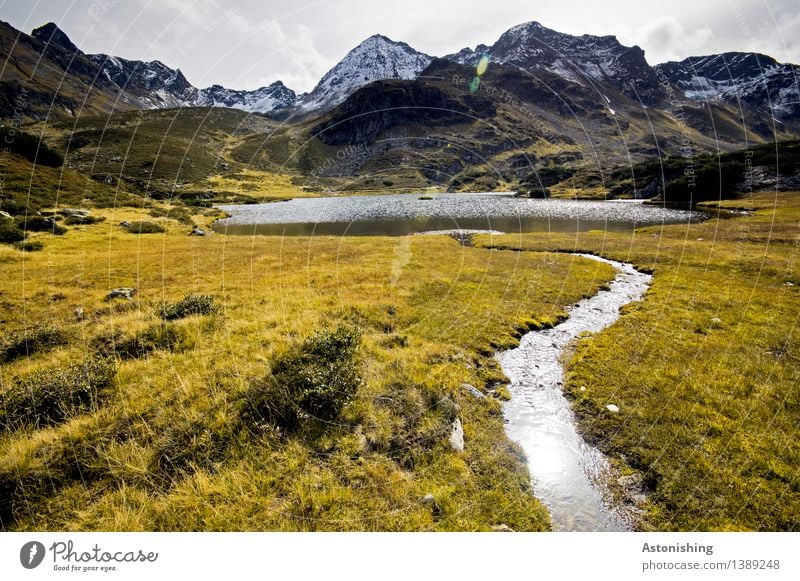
[472, 390]
[73, 212]
[121, 293]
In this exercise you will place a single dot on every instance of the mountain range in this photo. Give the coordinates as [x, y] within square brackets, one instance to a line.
[102, 83]
[537, 103]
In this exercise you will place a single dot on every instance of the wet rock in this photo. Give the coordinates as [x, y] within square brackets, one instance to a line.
[633, 487]
[472, 390]
[121, 293]
[457, 436]
[502, 528]
[612, 408]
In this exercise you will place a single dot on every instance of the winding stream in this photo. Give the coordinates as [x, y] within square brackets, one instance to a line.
[566, 472]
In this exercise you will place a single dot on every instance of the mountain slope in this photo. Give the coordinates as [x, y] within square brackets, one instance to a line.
[592, 61]
[377, 58]
[755, 79]
[46, 75]
[274, 97]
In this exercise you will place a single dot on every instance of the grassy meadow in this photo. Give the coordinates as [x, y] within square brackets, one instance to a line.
[705, 370]
[164, 440]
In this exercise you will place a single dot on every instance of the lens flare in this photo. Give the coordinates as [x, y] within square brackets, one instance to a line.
[483, 64]
[474, 84]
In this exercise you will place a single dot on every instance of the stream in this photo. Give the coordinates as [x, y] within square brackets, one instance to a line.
[567, 473]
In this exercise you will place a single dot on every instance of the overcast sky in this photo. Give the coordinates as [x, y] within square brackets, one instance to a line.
[245, 44]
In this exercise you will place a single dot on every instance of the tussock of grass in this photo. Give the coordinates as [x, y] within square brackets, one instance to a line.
[143, 227]
[52, 395]
[311, 382]
[29, 245]
[30, 341]
[39, 224]
[9, 231]
[187, 306]
[158, 337]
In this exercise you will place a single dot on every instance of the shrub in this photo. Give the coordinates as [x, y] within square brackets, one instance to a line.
[155, 338]
[29, 341]
[51, 396]
[143, 228]
[9, 232]
[312, 381]
[176, 213]
[188, 305]
[39, 224]
[28, 245]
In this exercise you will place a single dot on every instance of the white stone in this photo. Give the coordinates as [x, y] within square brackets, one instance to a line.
[457, 436]
[612, 408]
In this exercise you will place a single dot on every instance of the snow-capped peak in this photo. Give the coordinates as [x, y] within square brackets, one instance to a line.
[377, 58]
[263, 100]
[586, 59]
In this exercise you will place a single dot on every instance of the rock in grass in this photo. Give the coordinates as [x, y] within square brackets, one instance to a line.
[123, 292]
[73, 212]
[472, 390]
[429, 500]
[502, 528]
[198, 232]
[612, 408]
[457, 436]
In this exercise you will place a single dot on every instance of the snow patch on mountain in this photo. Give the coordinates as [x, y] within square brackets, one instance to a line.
[377, 58]
[274, 97]
[751, 78]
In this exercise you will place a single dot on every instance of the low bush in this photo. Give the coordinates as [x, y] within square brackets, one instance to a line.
[143, 228]
[51, 396]
[188, 305]
[9, 232]
[158, 337]
[177, 213]
[28, 245]
[39, 224]
[29, 341]
[314, 380]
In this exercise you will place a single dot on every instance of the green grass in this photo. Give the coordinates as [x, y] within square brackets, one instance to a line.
[171, 448]
[705, 370]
